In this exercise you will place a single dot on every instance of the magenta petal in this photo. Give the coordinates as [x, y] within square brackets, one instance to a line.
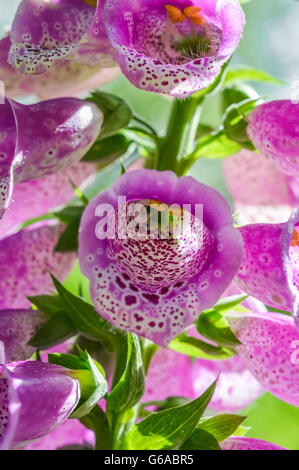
[144, 293]
[261, 192]
[146, 43]
[236, 387]
[42, 139]
[269, 350]
[17, 327]
[26, 259]
[169, 375]
[248, 443]
[44, 34]
[273, 128]
[35, 398]
[66, 79]
[269, 269]
[35, 198]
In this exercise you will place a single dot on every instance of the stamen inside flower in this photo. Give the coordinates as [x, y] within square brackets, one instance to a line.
[295, 238]
[188, 41]
[162, 245]
[93, 3]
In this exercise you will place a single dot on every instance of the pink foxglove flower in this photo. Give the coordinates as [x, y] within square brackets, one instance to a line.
[270, 267]
[261, 192]
[273, 128]
[35, 198]
[42, 139]
[175, 48]
[154, 286]
[169, 375]
[270, 350]
[17, 327]
[66, 79]
[46, 34]
[35, 398]
[248, 443]
[26, 259]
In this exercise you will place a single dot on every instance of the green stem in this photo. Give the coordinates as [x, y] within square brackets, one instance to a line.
[181, 133]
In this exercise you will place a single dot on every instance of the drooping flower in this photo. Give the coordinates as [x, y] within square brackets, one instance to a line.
[269, 350]
[26, 259]
[46, 34]
[66, 79]
[270, 266]
[248, 443]
[35, 398]
[273, 128]
[261, 192]
[69, 435]
[175, 48]
[42, 139]
[17, 327]
[169, 375]
[154, 285]
[35, 198]
[236, 386]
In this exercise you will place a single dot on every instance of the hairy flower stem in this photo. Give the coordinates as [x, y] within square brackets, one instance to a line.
[181, 133]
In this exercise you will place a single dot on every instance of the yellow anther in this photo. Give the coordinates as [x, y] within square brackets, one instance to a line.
[193, 13]
[175, 14]
[93, 3]
[295, 238]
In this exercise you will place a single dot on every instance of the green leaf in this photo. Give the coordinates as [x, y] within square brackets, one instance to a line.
[212, 325]
[250, 75]
[129, 386]
[236, 93]
[214, 146]
[90, 375]
[68, 240]
[55, 331]
[168, 429]
[221, 426]
[235, 123]
[105, 151]
[48, 304]
[68, 213]
[201, 440]
[229, 303]
[117, 114]
[97, 422]
[87, 320]
[197, 348]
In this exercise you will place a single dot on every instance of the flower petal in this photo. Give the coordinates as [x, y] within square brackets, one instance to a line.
[45, 33]
[17, 327]
[268, 350]
[150, 307]
[35, 398]
[143, 38]
[273, 128]
[26, 259]
[269, 269]
[248, 443]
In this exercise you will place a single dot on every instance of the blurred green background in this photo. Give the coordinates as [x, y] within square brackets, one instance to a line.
[270, 42]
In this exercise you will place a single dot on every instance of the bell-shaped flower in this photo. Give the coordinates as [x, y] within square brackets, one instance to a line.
[273, 128]
[260, 191]
[46, 34]
[270, 266]
[169, 375]
[270, 351]
[35, 198]
[66, 79]
[26, 259]
[44, 138]
[175, 48]
[35, 398]
[248, 443]
[17, 327]
[157, 250]
[236, 386]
